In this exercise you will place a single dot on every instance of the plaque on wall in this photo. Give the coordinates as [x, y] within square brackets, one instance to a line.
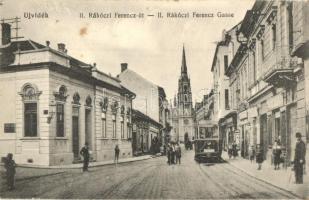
[9, 128]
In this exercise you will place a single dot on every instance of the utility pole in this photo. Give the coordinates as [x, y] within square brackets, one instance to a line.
[15, 23]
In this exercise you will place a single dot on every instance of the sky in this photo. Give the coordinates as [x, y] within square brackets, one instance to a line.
[151, 46]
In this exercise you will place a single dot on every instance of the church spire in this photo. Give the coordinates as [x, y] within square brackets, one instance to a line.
[175, 101]
[183, 64]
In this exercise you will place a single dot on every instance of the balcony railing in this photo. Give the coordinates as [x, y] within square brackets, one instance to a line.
[281, 74]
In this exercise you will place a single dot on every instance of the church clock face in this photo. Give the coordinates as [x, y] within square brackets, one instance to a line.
[186, 122]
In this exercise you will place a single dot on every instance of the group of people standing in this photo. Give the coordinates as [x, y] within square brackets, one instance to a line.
[173, 152]
[232, 150]
[298, 162]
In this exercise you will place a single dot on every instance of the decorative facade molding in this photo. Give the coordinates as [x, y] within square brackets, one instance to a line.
[88, 101]
[272, 16]
[261, 31]
[61, 94]
[104, 104]
[76, 99]
[30, 92]
[114, 107]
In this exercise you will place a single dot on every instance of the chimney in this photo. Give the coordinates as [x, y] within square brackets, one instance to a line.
[124, 66]
[47, 43]
[61, 47]
[6, 33]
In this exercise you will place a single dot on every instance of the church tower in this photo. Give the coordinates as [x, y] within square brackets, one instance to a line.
[184, 104]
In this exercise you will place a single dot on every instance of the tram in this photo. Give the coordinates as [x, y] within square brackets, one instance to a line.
[207, 144]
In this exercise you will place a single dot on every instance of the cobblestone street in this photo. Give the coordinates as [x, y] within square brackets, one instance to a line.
[151, 178]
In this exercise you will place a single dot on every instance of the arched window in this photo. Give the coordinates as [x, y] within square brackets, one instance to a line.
[60, 96]
[30, 96]
[185, 88]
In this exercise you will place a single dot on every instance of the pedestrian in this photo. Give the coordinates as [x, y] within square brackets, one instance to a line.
[178, 154]
[10, 171]
[86, 155]
[259, 156]
[252, 153]
[277, 154]
[234, 148]
[168, 153]
[117, 151]
[173, 153]
[230, 151]
[299, 159]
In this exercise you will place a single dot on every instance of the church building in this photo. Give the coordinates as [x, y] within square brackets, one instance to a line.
[182, 109]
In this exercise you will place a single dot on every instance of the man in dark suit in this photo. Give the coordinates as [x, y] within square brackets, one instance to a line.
[85, 153]
[299, 159]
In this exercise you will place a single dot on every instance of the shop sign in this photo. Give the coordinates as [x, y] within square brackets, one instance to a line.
[229, 120]
[264, 108]
[252, 112]
[276, 101]
[237, 136]
[243, 115]
[134, 127]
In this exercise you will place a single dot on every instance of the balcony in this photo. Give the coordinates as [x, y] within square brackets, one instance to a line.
[281, 74]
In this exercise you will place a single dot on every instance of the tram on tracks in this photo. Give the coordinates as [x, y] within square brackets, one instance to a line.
[207, 143]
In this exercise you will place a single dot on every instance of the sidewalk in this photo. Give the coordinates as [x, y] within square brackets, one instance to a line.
[25, 172]
[283, 178]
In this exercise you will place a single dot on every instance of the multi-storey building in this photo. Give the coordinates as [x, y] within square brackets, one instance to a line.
[54, 103]
[225, 117]
[269, 81]
[182, 113]
[204, 114]
[150, 101]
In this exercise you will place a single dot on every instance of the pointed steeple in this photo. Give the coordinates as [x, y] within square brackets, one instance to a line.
[184, 63]
[175, 101]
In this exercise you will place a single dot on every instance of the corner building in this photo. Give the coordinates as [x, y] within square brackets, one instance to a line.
[53, 104]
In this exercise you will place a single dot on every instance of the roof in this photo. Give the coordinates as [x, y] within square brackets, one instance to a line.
[136, 114]
[161, 92]
[251, 18]
[236, 59]
[224, 42]
[130, 73]
[183, 62]
[221, 43]
[77, 66]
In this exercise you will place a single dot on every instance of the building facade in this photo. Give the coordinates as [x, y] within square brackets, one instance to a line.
[224, 115]
[268, 75]
[55, 103]
[150, 102]
[182, 111]
[204, 114]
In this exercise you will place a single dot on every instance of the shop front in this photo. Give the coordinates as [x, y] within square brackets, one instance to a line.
[227, 128]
